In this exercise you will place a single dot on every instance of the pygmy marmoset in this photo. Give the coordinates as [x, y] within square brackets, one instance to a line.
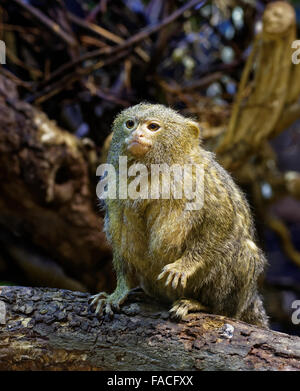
[194, 259]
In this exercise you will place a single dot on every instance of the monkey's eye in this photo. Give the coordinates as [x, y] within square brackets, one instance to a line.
[129, 124]
[153, 126]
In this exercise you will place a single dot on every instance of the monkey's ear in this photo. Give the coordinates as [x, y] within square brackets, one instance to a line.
[194, 128]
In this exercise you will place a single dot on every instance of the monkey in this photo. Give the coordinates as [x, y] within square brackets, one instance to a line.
[191, 259]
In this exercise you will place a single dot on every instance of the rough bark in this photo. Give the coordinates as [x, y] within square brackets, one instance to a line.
[46, 194]
[51, 329]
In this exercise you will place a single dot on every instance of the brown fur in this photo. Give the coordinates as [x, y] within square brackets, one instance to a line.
[208, 257]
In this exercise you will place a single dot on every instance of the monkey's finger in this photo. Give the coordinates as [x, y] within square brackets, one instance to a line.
[121, 301]
[175, 314]
[175, 281]
[96, 297]
[162, 274]
[183, 280]
[99, 307]
[116, 305]
[170, 278]
[109, 311]
[95, 301]
[104, 294]
[178, 311]
[174, 308]
[181, 312]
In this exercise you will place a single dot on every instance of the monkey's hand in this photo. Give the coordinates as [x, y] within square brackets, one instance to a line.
[109, 303]
[176, 271]
[182, 307]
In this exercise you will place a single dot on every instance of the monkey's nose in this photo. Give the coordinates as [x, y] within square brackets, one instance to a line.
[137, 136]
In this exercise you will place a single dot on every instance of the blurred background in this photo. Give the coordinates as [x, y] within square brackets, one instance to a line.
[72, 65]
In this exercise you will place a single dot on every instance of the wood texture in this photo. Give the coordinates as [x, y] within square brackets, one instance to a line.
[51, 329]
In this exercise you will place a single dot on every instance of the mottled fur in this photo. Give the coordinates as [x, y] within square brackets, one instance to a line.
[211, 250]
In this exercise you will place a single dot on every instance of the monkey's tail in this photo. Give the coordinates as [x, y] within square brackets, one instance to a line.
[255, 313]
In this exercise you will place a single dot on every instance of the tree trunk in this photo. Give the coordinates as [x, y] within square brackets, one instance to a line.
[48, 199]
[52, 329]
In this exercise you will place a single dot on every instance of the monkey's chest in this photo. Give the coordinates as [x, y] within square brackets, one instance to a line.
[133, 241]
[148, 243]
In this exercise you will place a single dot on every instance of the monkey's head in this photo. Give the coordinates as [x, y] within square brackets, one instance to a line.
[153, 133]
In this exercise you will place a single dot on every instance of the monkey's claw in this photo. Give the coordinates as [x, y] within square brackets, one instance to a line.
[99, 301]
[174, 275]
[108, 303]
[183, 306]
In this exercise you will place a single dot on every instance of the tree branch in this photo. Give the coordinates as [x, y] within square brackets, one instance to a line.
[51, 329]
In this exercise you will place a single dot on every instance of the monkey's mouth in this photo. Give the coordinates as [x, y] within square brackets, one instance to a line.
[138, 148]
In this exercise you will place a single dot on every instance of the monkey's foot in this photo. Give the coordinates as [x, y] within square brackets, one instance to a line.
[183, 306]
[109, 303]
[175, 272]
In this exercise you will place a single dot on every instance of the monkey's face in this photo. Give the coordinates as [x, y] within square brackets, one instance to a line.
[153, 134]
[141, 135]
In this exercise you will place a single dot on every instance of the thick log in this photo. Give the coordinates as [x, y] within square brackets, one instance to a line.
[51, 329]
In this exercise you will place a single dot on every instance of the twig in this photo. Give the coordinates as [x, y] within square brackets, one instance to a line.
[70, 78]
[14, 59]
[134, 40]
[19, 29]
[88, 40]
[104, 33]
[54, 27]
[14, 78]
[95, 28]
[106, 95]
[100, 7]
[200, 83]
